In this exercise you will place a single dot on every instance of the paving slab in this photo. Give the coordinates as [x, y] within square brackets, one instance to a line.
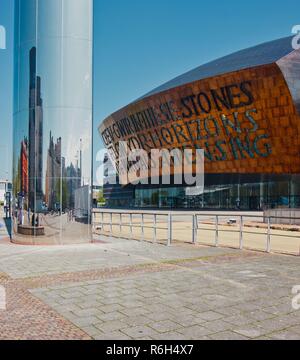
[131, 290]
[32, 261]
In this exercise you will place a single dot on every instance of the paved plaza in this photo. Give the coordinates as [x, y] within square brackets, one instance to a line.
[124, 289]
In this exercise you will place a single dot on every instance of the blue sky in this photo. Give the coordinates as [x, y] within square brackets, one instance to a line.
[141, 44]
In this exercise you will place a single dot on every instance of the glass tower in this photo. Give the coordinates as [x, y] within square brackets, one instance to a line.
[52, 169]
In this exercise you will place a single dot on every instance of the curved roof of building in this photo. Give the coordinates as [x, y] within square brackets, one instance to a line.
[262, 54]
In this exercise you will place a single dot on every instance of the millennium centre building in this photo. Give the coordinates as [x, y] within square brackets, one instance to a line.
[243, 110]
[52, 166]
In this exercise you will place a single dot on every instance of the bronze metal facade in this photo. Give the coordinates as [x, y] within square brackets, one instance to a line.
[247, 121]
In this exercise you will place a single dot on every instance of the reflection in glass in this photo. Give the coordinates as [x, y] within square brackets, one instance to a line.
[52, 119]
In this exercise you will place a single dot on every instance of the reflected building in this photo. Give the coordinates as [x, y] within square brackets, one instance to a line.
[73, 174]
[53, 174]
[35, 131]
[52, 112]
[60, 178]
[24, 167]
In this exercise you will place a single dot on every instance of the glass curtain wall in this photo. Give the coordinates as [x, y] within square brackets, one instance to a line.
[52, 167]
[244, 196]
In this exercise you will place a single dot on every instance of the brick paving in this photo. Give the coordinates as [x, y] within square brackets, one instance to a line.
[27, 318]
[130, 290]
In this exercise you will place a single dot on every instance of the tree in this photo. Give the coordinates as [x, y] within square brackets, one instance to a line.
[101, 198]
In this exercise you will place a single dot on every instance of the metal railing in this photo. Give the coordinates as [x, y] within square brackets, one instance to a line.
[131, 225]
[139, 222]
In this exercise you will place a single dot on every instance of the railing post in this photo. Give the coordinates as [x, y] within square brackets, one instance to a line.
[169, 229]
[102, 219]
[217, 231]
[131, 229]
[111, 223]
[93, 222]
[143, 232]
[195, 228]
[155, 229]
[269, 235]
[241, 233]
[120, 223]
